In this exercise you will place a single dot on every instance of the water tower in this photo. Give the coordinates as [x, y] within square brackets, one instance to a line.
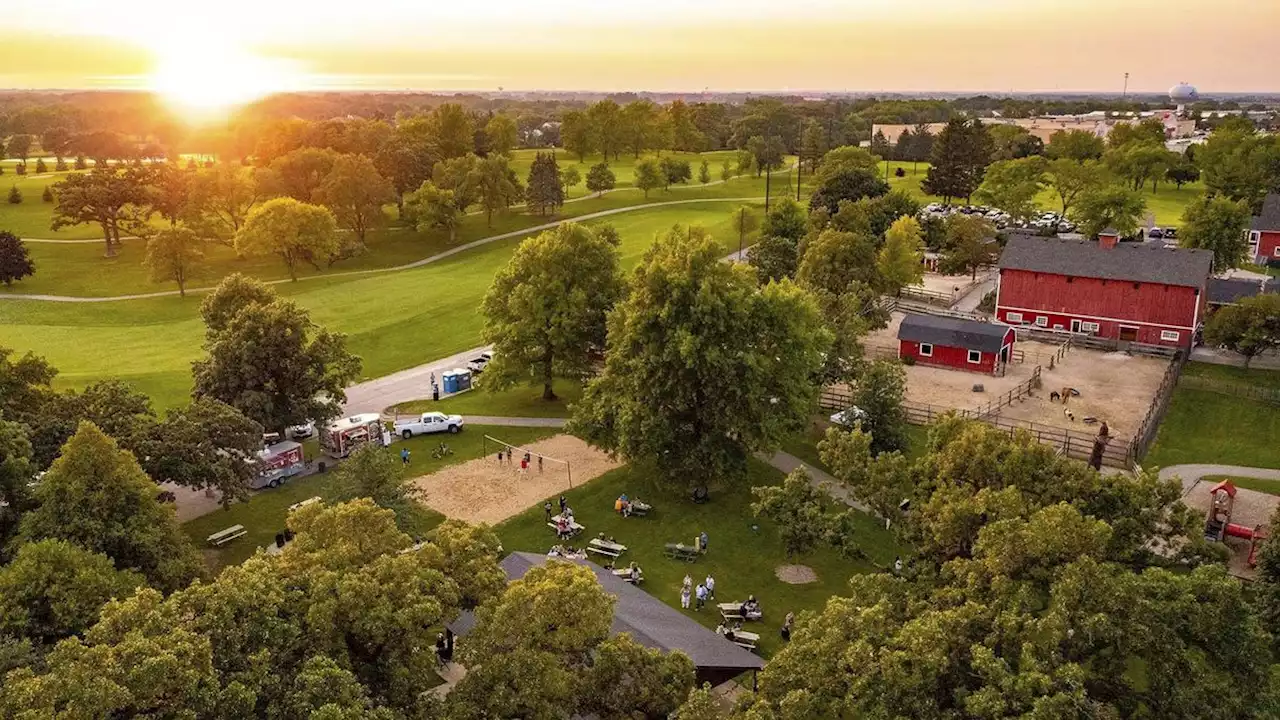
[1181, 94]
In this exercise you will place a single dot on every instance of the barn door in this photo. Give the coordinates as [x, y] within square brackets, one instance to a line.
[1128, 334]
[1075, 326]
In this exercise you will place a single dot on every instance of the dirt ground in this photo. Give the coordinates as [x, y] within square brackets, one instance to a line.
[483, 491]
[796, 574]
[1251, 509]
[957, 284]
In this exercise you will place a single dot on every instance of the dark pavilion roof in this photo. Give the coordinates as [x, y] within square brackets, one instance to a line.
[1269, 220]
[1227, 291]
[1133, 262]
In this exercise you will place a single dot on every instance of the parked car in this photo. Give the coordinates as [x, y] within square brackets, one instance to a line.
[1155, 233]
[427, 423]
[302, 432]
[848, 418]
[480, 362]
[1170, 233]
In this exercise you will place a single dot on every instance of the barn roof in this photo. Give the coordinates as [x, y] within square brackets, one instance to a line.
[1127, 261]
[650, 621]
[1227, 291]
[1270, 218]
[953, 332]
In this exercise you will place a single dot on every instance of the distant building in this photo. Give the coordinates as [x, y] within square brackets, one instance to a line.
[1264, 232]
[1123, 291]
[1097, 123]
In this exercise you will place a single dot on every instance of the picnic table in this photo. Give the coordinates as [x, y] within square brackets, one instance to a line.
[731, 611]
[574, 527]
[604, 547]
[625, 574]
[304, 503]
[222, 537]
[640, 508]
[680, 551]
[744, 639]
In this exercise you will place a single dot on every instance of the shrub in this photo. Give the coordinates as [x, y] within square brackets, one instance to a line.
[908, 360]
[900, 173]
[41, 167]
[988, 303]
[80, 163]
[15, 195]
[47, 195]
[60, 166]
[21, 169]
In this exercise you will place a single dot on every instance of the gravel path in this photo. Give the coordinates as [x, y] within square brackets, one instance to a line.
[1191, 474]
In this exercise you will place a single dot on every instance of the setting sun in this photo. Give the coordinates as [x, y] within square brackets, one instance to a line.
[202, 81]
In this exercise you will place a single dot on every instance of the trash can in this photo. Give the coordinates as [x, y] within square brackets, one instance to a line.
[450, 380]
[435, 392]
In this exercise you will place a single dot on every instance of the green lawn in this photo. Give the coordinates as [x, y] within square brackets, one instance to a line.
[741, 559]
[519, 401]
[624, 168]
[1209, 427]
[1270, 487]
[805, 445]
[265, 513]
[393, 320]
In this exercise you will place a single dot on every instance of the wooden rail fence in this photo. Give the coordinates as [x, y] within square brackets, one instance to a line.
[1018, 392]
[1271, 396]
[1150, 424]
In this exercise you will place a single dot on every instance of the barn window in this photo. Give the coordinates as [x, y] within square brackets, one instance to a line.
[1042, 321]
[1170, 335]
[1089, 326]
[975, 357]
[926, 349]
[1013, 317]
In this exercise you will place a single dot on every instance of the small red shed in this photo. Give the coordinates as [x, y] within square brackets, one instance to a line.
[1264, 232]
[955, 343]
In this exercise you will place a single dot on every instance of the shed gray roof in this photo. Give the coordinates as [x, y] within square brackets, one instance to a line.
[1226, 291]
[953, 332]
[1134, 262]
[1269, 220]
[650, 621]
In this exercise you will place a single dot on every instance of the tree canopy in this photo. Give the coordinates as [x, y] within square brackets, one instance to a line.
[15, 261]
[295, 231]
[1219, 225]
[959, 161]
[1249, 327]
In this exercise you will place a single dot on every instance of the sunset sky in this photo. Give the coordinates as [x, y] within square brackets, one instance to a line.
[245, 47]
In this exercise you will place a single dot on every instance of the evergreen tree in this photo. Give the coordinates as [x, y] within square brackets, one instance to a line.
[15, 261]
[15, 195]
[545, 191]
[959, 160]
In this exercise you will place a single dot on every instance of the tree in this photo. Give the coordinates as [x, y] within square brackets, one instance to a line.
[1140, 161]
[959, 161]
[1219, 225]
[235, 293]
[295, 231]
[732, 363]
[41, 168]
[503, 134]
[56, 140]
[880, 144]
[16, 468]
[545, 312]
[225, 195]
[470, 556]
[1070, 179]
[19, 146]
[638, 121]
[685, 135]
[206, 445]
[112, 405]
[600, 178]
[1238, 162]
[1182, 172]
[626, 678]
[276, 367]
[461, 177]
[901, 260]
[970, 245]
[744, 222]
[15, 195]
[1012, 186]
[880, 391]
[169, 193]
[773, 258]
[375, 472]
[115, 199]
[95, 496]
[606, 127]
[570, 177]
[1012, 142]
[1075, 145]
[452, 128]
[1249, 327]
[46, 195]
[15, 261]
[674, 171]
[354, 191]
[497, 185]
[1147, 132]
[649, 175]
[813, 145]
[53, 589]
[704, 172]
[406, 161]
[578, 135]
[799, 509]
[1108, 207]
[833, 187]
[432, 208]
[727, 171]
[300, 173]
[834, 259]
[174, 254]
[545, 189]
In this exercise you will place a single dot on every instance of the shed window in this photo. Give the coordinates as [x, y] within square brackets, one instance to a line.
[975, 357]
[1042, 321]
[926, 349]
[1089, 326]
[1170, 335]
[1013, 317]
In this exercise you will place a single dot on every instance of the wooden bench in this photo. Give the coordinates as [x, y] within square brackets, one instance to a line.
[731, 611]
[639, 508]
[605, 547]
[222, 537]
[304, 503]
[677, 551]
[574, 527]
[625, 574]
[744, 639]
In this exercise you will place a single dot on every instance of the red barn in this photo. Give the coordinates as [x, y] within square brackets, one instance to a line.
[1127, 292]
[1264, 232]
[955, 343]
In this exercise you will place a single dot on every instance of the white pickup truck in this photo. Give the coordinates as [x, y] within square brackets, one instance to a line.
[427, 423]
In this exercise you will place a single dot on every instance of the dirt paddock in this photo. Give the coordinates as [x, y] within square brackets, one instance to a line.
[481, 490]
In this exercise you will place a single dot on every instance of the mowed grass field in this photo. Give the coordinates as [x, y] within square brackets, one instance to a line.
[392, 320]
[1203, 426]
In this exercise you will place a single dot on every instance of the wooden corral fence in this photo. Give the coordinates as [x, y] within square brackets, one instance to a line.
[1092, 342]
[925, 295]
[1146, 433]
[911, 306]
[1020, 391]
[1271, 396]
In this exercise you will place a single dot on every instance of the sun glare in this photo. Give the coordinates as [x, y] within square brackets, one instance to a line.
[204, 82]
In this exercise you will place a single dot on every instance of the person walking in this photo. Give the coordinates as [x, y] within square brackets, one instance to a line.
[701, 595]
[524, 466]
[684, 596]
[703, 538]
[786, 627]
[539, 463]
[710, 582]
[897, 566]
[404, 455]
[547, 507]
[563, 504]
[499, 457]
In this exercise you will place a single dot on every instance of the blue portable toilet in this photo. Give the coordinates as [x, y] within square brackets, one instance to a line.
[464, 379]
[450, 381]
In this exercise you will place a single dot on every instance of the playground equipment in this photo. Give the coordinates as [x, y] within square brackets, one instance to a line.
[1218, 525]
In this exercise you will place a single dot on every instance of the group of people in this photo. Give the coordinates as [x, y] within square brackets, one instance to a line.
[706, 589]
[567, 552]
[751, 609]
[623, 505]
[509, 456]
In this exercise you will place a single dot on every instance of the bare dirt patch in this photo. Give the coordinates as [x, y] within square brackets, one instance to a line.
[481, 490]
[796, 574]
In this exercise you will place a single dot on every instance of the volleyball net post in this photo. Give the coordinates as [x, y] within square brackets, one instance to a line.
[513, 449]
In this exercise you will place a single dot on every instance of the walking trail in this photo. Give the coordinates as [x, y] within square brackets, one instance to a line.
[1191, 474]
[409, 266]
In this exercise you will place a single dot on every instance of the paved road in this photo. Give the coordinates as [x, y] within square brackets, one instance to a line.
[787, 462]
[970, 300]
[411, 384]
[1191, 474]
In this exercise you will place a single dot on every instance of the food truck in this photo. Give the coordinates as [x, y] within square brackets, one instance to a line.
[343, 436]
[277, 463]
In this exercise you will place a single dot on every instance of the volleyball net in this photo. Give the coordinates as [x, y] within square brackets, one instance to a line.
[513, 454]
